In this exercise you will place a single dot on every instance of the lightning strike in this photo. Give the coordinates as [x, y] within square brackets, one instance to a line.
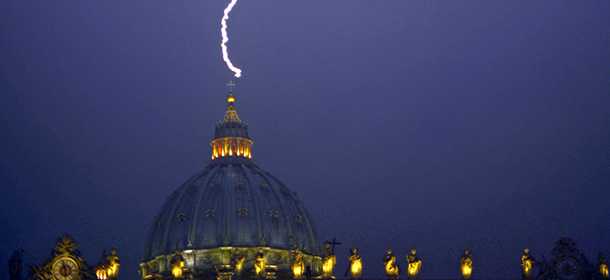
[225, 38]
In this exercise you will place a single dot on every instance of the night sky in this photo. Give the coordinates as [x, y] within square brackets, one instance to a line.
[435, 125]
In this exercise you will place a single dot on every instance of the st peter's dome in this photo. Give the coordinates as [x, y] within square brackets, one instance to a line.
[231, 204]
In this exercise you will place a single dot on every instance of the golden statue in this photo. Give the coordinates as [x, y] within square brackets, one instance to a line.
[603, 267]
[414, 265]
[113, 264]
[237, 262]
[101, 270]
[108, 268]
[177, 263]
[527, 263]
[391, 269]
[259, 263]
[355, 266]
[328, 261]
[298, 265]
[466, 265]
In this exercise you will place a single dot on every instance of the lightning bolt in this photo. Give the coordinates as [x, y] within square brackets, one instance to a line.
[225, 38]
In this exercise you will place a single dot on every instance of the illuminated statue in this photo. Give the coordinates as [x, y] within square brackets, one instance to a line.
[355, 266]
[259, 263]
[603, 267]
[414, 265]
[328, 262]
[113, 263]
[237, 262]
[391, 269]
[177, 263]
[101, 270]
[298, 265]
[466, 265]
[527, 263]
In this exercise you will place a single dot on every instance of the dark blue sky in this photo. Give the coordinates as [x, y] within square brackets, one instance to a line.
[435, 125]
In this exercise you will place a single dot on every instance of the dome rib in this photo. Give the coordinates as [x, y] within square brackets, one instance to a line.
[192, 237]
[256, 201]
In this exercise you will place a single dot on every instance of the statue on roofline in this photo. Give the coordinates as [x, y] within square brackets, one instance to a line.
[602, 266]
[355, 266]
[259, 262]
[414, 265]
[177, 264]
[328, 261]
[466, 265]
[298, 265]
[391, 268]
[15, 265]
[527, 263]
[237, 262]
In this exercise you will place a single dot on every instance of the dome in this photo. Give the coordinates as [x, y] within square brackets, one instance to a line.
[231, 204]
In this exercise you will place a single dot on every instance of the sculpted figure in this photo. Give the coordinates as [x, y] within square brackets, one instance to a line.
[15, 265]
[355, 266]
[237, 262]
[466, 265]
[603, 267]
[527, 263]
[414, 264]
[101, 270]
[328, 261]
[298, 265]
[113, 263]
[391, 269]
[259, 263]
[177, 263]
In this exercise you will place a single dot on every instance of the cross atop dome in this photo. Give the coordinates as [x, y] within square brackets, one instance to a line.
[230, 84]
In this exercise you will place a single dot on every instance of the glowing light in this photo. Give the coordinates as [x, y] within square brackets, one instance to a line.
[527, 262]
[355, 264]
[327, 267]
[225, 38]
[466, 265]
[101, 274]
[414, 265]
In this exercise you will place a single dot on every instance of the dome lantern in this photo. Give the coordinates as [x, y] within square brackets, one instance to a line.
[231, 136]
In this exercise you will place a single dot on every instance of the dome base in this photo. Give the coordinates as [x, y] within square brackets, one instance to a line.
[201, 263]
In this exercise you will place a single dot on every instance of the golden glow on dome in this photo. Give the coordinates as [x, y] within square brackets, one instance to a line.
[231, 146]
[231, 99]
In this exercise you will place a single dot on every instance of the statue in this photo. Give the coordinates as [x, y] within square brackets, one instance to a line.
[466, 265]
[603, 267]
[298, 265]
[108, 267]
[391, 269]
[355, 266]
[177, 263]
[101, 270]
[113, 263]
[259, 263]
[15, 265]
[527, 263]
[414, 265]
[237, 262]
[328, 261]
